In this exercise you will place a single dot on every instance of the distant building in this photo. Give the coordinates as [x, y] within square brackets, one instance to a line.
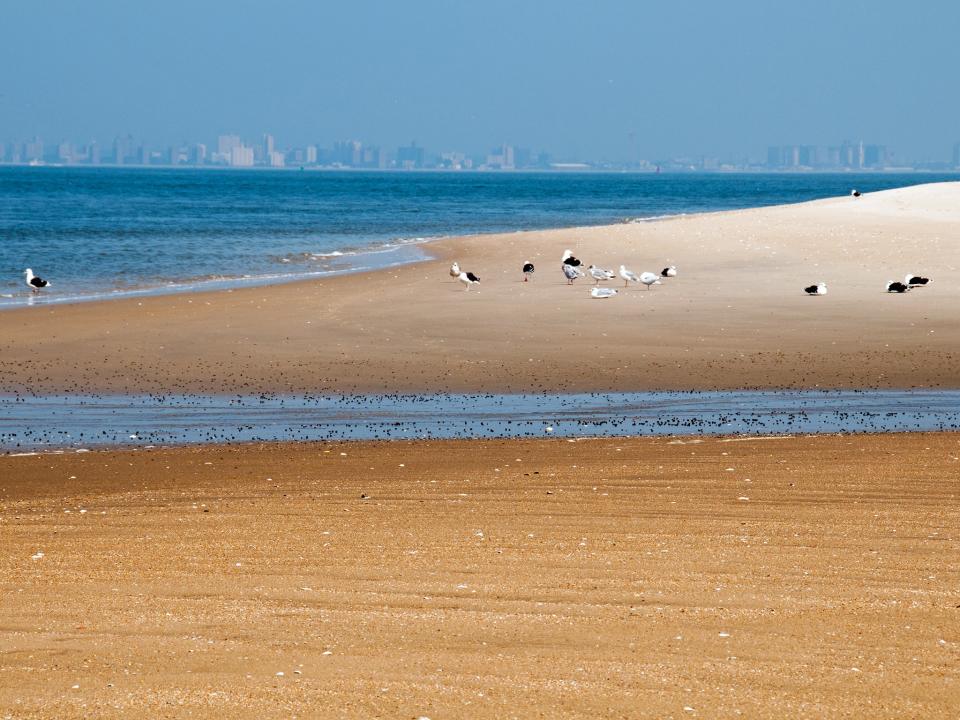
[226, 144]
[33, 150]
[874, 156]
[502, 158]
[267, 146]
[274, 159]
[65, 152]
[143, 154]
[410, 157]
[93, 153]
[311, 154]
[198, 156]
[241, 156]
[122, 149]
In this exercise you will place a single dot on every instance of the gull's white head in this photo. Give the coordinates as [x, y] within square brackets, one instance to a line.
[567, 254]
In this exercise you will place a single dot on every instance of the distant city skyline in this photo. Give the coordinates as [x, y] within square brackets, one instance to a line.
[235, 150]
[610, 81]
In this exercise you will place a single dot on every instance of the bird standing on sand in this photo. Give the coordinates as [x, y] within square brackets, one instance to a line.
[468, 279]
[527, 270]
[33, 282]
[569, 259]
[599, 292]
[649, 278]
[818, 289]
[571, 273]
[855, 193]
[628, 276]
[455, 270]
[669, 271]
[897, 287]
[916, 280]
[599, 274]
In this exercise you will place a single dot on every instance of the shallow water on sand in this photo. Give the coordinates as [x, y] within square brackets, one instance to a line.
[63, 422]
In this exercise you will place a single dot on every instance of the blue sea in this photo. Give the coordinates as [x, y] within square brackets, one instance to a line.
[108, 232]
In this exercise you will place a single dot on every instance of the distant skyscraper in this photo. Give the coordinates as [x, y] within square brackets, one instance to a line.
[241, 156]
[226, 144]
[33, 150]
[199, 154]
[410, 157]
[275, 159]
[122, 149]
[143, 154]
[311, 154]
[268, 146]
[93, 152]
[65, 153]
[874, 156]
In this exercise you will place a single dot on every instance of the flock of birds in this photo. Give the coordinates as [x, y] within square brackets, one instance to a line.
[893, 286]
[571, 266]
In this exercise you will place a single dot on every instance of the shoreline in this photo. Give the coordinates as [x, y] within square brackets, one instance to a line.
[736, 316]
[633, 577]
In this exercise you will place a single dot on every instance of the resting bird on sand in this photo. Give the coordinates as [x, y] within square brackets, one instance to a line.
[669, 271]
[855, 193]
[916, 280]
[818, 289]
[33, 282]
[569, 259]
[628, 276]
[468, 279]
[455, 270]
[571, 273]
[897, 287]
[599, 292]
[648, 279]
[527, 270]
[599, 274]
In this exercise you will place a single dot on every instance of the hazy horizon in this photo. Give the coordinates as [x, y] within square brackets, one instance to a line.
[612, 81]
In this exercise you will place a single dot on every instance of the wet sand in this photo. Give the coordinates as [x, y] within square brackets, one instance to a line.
[762, 578]
[736, 316]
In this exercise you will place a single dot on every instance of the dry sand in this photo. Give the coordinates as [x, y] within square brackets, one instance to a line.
[736, 317]
[762, 578]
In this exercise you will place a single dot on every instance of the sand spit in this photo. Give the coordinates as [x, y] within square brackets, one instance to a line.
[735, 317]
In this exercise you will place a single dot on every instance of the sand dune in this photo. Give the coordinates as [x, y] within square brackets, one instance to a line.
[735, 317]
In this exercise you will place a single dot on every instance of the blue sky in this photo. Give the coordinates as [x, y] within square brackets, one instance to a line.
[598, 79]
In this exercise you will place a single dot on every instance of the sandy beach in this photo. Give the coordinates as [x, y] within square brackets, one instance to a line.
[736, 316]
[724, 577]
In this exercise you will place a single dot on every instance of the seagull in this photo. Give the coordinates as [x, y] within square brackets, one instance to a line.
[599, 292]
[648, 279]
[33, 282]
[897, 287]
[571, 273]
[569, 259]
[527, 270]
[669, 271]
[818, 289]
[455, 270]
[628, 275]
[599, 274]
[855, 193]
[468, 279]
[916, 280]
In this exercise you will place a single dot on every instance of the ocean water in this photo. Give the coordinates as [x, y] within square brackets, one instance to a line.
[98, 232]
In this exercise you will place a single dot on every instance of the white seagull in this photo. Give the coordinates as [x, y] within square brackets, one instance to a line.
[916, 280]
[468, 279]
[669, 271]
[599, 274]
[599, 292]
[569, 259]
[527, 270]
[455, 270]
[33, 282]
[649, 278]
[628, 276]
[571, 273]
[818, 289]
